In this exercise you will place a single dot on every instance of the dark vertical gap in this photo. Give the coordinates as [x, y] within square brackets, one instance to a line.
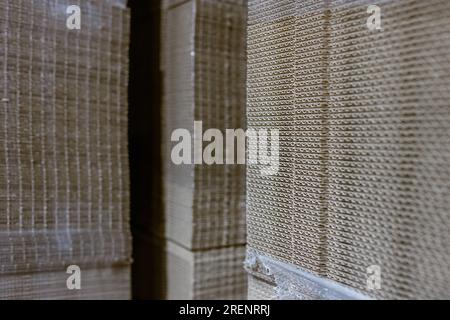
[148, 270]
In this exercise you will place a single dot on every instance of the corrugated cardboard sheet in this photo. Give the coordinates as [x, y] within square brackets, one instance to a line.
[203, 59]
[63, 154]
[364, 122]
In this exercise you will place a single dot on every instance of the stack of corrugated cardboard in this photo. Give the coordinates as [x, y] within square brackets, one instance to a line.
[203, 64]
[361, 198]
[63, 136]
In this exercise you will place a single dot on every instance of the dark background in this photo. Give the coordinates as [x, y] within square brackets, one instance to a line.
[145, 148]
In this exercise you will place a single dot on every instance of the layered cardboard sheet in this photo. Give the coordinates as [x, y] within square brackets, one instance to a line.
[203, 65]
[206, 275]
[174, 272]
[112, 283]
[64, 159]
[204, 80]
[364, 142]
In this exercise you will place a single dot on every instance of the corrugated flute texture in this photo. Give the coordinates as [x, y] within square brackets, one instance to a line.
[364, 141]
[203, 63]
[63, 135]
[259, 289]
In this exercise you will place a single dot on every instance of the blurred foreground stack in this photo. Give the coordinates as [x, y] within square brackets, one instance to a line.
[203, 228]
[63, 155]
[364, 119]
